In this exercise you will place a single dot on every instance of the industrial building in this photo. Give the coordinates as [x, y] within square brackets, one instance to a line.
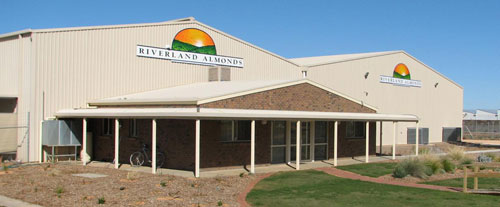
[207, 99]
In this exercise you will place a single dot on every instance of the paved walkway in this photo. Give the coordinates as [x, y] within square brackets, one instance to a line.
[10, 202]
[354, 176]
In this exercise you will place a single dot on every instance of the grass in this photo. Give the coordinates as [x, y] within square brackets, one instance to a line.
[483, 183]
[315, 188]
[370, 169]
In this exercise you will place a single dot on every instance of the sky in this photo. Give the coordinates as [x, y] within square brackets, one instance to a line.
[460, 39]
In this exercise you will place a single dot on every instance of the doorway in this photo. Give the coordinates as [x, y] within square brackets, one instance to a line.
[313, 141]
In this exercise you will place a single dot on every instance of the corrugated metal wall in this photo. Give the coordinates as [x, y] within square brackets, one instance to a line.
[437, 107]
[9, 65]
[74, 67]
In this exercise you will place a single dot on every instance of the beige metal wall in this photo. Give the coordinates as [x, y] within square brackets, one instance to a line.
[74, 67]
[9, 65]
[437, 107]
[8, 132]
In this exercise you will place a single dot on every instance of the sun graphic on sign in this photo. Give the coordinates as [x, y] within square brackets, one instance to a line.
[194, 40]
[401, 71]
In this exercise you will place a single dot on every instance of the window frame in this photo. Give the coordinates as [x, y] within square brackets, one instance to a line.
[133, 128]
[107, 125]
[354, 136]
[234, 132]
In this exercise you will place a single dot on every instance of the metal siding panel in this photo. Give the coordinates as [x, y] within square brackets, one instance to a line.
[436, 107]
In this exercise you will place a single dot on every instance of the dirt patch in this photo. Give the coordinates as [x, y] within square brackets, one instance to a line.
[54, 185]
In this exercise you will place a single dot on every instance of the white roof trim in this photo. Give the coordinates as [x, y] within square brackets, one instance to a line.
[291, 83]
[204, 113]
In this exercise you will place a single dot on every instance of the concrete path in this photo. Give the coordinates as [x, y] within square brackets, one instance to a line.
[10, 202]
[354, 176]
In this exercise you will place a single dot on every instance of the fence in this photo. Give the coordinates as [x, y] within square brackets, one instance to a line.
[481, 129]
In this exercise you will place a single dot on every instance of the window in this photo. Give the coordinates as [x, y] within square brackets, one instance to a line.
[355, 129]
[133, 128]
[107, 126]
[235, 131]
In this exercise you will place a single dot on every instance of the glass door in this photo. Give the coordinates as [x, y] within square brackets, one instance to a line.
[305, 141]
[320, 140]
[278, 142]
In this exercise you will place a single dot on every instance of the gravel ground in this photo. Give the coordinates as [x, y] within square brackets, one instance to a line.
[54, 185]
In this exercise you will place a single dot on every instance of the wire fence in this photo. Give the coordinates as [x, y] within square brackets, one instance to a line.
[481, 129]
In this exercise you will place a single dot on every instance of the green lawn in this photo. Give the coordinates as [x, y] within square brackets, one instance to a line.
[483, 183]
[315, 188]
[370, 169]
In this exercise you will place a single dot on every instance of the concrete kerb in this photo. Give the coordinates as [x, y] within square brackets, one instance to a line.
[10, 202]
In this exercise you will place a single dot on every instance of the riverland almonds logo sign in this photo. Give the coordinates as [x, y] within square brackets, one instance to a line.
[190, 46]
[401, 77]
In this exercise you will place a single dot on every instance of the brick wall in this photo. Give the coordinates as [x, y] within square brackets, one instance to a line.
[176, 138]
[350, 147]
[301, 97]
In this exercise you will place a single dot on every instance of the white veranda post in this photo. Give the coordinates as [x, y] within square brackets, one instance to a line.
[84, 143]
[335, 141]
[394, 134]
[416, 138]
[252, 148]
[153, 148]
[297, 147]
[367, 134]
[197, 150]
[117, 143]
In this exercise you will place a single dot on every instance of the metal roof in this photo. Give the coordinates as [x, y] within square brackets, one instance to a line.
[241, 114]
[205, 92]
[319, 60]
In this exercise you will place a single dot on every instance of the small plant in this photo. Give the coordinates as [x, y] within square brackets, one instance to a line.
[466, 161]
[59, 191]
[5, 167]
[35, 189]
[491, 155]
[101, 200]
[448, 166]
[456, 153]
[242, 174]
[163, 183]
[219, 203]
[399, 172]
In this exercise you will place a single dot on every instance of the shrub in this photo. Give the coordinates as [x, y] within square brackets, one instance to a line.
[497, 159]
[456, 153]
[491, 155]
[466, 161]
[399, 172]
[434, 166]
[448, 166]
[219, 203]
[163, 183]
[411, 166]
[101, 200]
[5, 167]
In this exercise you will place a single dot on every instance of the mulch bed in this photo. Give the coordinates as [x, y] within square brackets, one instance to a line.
[54, 185]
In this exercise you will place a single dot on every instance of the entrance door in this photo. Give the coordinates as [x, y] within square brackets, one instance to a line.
[278, 142]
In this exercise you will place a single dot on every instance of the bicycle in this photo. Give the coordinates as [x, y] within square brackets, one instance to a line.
[138, 158]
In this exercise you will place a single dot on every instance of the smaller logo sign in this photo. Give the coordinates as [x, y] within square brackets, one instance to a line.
[401, 77]
[190, 46]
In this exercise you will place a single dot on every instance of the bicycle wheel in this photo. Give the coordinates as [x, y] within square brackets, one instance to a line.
[136, 159]
[160, 159]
